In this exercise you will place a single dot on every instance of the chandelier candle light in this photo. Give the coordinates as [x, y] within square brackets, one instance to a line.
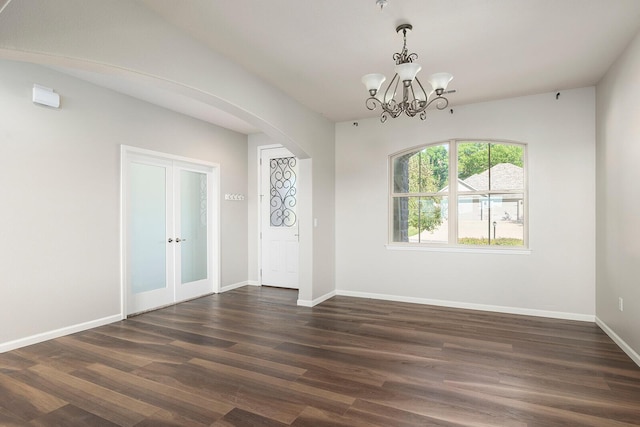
[415, 100]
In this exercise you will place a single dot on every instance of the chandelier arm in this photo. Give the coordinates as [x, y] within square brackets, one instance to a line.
[372, 103]
[395, 80]
[441, 103]
[392, 106]
[424, 92]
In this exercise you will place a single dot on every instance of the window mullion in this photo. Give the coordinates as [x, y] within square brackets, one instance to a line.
[416, 194]
[453, 192]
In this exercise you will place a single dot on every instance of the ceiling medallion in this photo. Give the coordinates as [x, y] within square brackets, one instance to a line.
[415, 100]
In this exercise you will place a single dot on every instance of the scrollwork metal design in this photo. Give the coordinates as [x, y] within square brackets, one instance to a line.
[415, 99]
[283, 191]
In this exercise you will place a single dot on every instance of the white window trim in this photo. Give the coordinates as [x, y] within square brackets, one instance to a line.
[453, 203]
[424, 247]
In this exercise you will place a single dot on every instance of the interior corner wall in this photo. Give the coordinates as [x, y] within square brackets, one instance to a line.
[316, 214]
[253, 206]
[60, 174]
[556, 279]
[618, 201]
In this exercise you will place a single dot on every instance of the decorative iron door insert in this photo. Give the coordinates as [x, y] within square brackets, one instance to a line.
[283, 192]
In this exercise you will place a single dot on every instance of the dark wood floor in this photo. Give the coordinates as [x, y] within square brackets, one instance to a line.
[252, 357]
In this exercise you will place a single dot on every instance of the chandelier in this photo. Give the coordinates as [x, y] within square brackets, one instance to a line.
[415, 99]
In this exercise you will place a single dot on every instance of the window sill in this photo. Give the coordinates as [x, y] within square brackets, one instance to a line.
[456, 249]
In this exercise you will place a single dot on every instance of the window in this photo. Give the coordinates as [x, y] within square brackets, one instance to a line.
[485, 206]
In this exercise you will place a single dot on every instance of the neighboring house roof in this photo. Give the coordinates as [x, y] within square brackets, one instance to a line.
[462, 186]
[504, 176]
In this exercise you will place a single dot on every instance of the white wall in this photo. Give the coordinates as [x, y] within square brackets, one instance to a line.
[618, 199]
[556, 279]
[60, 192]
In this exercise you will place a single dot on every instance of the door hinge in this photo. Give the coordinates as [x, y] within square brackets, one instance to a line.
[260, 162]
[261, 234]
[261, 273]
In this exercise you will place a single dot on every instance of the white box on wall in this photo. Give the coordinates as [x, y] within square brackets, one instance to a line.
[45, 96]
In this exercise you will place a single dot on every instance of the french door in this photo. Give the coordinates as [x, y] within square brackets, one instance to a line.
[279, 218]
[168, 231]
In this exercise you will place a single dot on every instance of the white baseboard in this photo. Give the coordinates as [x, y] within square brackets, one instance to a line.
[233, 286]
[619, 341]
[470, 306]
[253, 283]
[313, 303]
[44, 336]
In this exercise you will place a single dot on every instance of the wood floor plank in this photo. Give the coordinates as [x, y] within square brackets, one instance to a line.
[7, 419]
[252, 357]
[216, 384]
[25, 401]
[390, 416]
[239, 417]
[193, 406]
[275, 382]
[102, 402]
[12, 361]
[69, 416]
[97, 353]
[357, 373]
[279, 370]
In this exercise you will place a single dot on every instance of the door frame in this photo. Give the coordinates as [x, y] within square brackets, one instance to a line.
[261, 150]
[126, 151]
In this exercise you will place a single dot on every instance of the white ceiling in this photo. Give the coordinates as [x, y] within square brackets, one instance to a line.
[317, 51]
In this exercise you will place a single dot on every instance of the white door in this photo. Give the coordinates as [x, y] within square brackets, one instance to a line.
[192, 231]
[279, 220]
[167, 232]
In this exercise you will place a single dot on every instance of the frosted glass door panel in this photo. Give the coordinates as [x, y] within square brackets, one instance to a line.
[193, 226]
[148, 254]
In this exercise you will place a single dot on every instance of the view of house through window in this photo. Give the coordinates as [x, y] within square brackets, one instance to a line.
[489, 194]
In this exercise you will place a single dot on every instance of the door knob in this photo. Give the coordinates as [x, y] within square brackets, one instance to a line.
[170, 240]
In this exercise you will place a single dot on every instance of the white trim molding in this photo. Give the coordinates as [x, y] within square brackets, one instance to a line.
[470, 306]
[313, 303]
[233, 286]
[456, 249]
[57, 333]
[619, 341]
[253, 283]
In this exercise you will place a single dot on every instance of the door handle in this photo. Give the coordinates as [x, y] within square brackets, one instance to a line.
[178, 240]
[170, 240]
